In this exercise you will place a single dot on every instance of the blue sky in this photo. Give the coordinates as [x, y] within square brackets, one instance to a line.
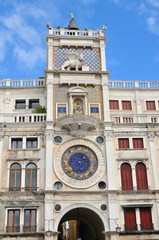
[132, 48]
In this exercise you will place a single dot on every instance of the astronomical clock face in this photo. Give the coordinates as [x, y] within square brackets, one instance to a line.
[79, 162]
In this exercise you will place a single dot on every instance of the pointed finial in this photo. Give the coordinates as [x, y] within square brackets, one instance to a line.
[71, 15]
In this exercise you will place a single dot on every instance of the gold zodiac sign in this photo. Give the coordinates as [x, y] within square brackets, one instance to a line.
[68, 169]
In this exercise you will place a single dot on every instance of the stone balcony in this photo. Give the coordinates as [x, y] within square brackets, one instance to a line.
[78, 124]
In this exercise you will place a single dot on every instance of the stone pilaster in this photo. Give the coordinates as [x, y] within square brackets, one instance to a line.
[1, 148]
[110, 160]
[50, 107]
[151, 138]
[49, 160]
[106, 102]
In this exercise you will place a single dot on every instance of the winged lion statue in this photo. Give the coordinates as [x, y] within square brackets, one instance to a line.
[75, 61]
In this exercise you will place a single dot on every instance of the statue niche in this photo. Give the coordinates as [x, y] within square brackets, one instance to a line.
[74, 63]
[78, 106]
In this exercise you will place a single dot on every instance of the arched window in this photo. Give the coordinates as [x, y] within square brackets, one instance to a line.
[15, 177]
[141, 176]
[31, 177]
[126, 177]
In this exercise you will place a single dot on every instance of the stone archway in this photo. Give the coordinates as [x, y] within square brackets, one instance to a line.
[81, 223]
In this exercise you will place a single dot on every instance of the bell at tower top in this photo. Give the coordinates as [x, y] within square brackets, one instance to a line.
[72, 25]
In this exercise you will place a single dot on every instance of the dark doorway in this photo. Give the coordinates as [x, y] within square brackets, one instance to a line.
[81, 224]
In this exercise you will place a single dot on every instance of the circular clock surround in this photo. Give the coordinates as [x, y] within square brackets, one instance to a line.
[81, 168]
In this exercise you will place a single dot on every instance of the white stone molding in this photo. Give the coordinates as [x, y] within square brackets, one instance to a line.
[49, 88]
[151, 138]
[105, 100]
[73, 182]
[49, 165]
[1, 150]
[49, 57]
[48, 212]
[110, 159]
[102, 55]
[81, 205]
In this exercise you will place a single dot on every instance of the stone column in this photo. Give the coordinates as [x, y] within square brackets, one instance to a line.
[106, 102]
[1, 150]
[48, 212]
[49, 56]
[151, 137]
[50, 107]
[134, 178]
[102, 55]
[49, 160]
[113, 214]
[110, 160]
[138, 219]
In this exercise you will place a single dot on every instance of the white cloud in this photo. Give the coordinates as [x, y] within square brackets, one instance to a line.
[154, 3]
[20, 32]
[30, 57]
[153, 24]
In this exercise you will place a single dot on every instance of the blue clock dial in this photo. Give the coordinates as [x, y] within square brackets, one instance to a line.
[79, 162]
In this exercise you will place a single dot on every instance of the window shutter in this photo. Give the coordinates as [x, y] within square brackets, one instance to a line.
[138, 143]
[150, 105]
[123, 143]
[126, 177]
[113, 104]
[126, 105]
[130, 219]
[146, 219]
[141, 176]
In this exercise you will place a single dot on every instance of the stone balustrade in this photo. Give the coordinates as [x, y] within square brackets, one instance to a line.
[135, 118]
[22, 117]
[22, 83]
[133, 84]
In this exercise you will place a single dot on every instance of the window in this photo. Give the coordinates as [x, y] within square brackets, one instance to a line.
[31, 177]
[20, 104]
[16, 143]
[32, 143]
[33, 103]
[30, 220]
[146, 218]
[13, 221]
[138, 143]
[126, 177]
[130, 219]
[126, 105]
[150, 105]
[123, 143]
[15, 177]
[113, 104]
[141, 176]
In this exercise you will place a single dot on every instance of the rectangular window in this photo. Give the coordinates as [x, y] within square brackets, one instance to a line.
[138, 143]
[32, 143]
[16, 143]
[61, 109]
[30, 220]
[13, 221]
[150, 105]
[123, 143]
[33, 103]
[20, 104]
[130, 219]
[94, 110]
[113, 104]
[126, 105]
[146, 218]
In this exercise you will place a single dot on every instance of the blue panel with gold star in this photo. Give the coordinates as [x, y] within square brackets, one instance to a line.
[90, 57]
[79, 162]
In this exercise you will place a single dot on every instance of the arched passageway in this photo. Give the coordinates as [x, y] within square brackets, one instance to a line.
[81, 224]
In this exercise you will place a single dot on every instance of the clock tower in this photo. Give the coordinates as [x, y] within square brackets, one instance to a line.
[79, 182]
